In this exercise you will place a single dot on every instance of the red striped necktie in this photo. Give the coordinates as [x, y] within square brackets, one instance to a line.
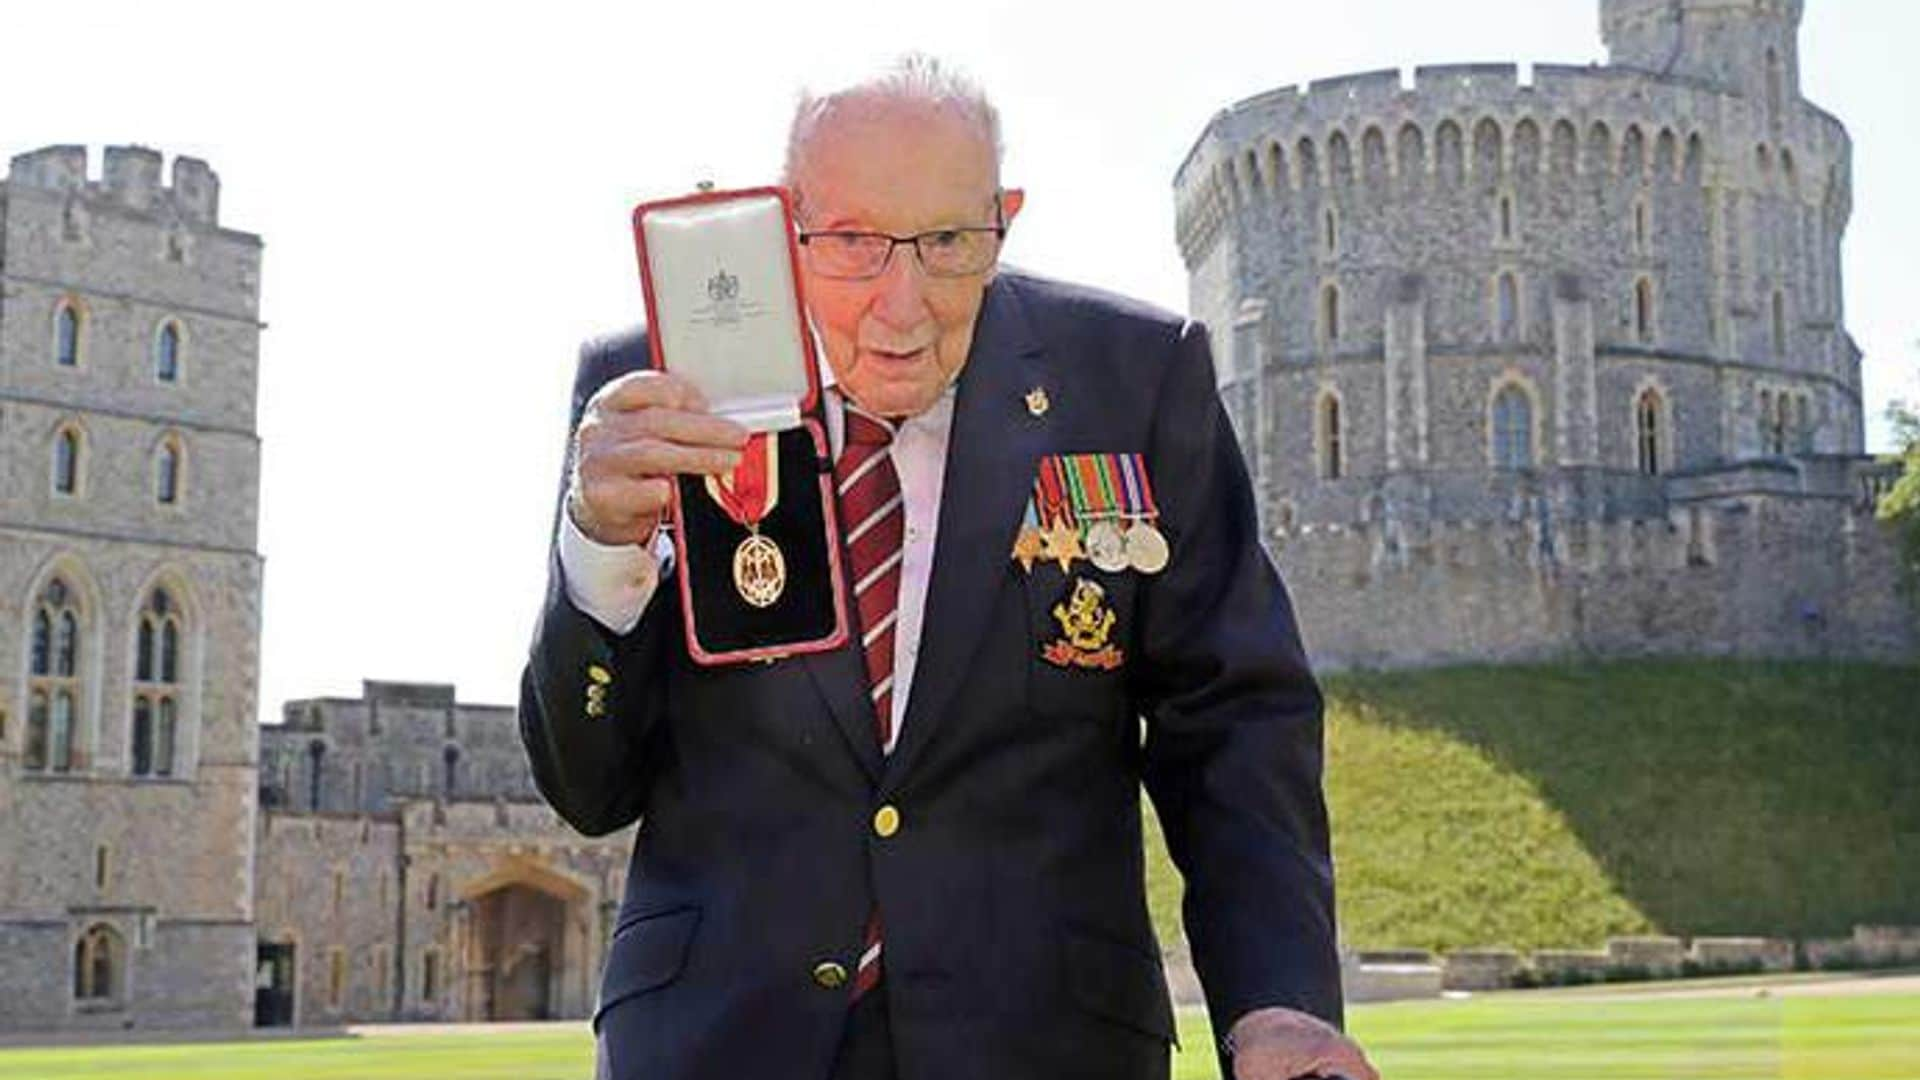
[875, 523]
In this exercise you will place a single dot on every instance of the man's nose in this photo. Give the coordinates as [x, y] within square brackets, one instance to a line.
[901, 297]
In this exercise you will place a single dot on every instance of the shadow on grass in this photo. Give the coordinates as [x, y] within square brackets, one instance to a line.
[1717, 797]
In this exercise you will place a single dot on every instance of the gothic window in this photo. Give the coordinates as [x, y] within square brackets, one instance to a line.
[66, 334]
[166, 479]
[1643, 311]
[1512, 429]
[96, 965]
[1506, 307]
[1330, 313]
[66, 461]
[1647, 426]
[166, 353]
[53, 680]
[156, 690]
[1332, 467]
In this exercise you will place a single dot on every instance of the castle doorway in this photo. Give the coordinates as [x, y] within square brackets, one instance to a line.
[519, 934]
[273, 984]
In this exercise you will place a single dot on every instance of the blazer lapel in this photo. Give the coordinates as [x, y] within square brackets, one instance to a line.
[841, 678]
[991, 453]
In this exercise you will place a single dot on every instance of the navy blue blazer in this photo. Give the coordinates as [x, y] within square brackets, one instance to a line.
[1017, 938]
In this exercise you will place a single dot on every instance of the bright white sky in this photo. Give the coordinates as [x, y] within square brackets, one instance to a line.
[444, 194]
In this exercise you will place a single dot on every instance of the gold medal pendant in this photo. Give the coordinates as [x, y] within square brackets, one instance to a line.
[1146, 548]
[1107, 546]
[759, 570]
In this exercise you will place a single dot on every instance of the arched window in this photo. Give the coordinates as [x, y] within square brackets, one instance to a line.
[156, 691]
[166, 353]
[53, 679]
[1506, 307]
[96, 965]
[66, 462]
[1330, 232]
[1640, 225]
[1330, 313]
[1332, 467]
[1647, 424]
[1643, 311]
[66, 335]
[1512, 429]
[1779, 323]
[166, 480]
[1506, 219]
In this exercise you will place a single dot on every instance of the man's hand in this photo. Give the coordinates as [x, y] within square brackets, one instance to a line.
[636, 433]
[1281, 1044]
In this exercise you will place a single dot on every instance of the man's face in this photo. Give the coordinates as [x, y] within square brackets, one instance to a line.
[896, 341]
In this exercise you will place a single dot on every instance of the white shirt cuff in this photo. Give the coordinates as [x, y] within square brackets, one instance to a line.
[611, 583]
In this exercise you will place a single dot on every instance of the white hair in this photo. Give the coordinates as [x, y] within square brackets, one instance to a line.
[915, 79]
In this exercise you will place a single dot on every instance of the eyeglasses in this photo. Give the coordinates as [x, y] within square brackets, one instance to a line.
[943, 253]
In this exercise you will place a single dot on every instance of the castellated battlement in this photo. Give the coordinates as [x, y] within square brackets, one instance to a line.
[130, 177]
[1474, 123]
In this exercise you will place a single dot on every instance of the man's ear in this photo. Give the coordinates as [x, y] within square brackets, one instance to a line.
[1011, 200]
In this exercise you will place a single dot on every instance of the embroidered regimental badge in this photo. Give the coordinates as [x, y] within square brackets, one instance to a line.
[1086, 623]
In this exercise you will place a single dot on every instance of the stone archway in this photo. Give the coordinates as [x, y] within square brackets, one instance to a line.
[519, 937]
[517, 952]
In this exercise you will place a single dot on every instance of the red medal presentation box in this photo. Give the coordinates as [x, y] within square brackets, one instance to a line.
[757, 553]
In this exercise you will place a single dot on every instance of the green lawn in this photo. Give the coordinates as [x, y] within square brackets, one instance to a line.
[1555, 805]
[1544, 1036]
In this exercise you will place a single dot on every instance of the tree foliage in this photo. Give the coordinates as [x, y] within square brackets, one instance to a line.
[1900, 506]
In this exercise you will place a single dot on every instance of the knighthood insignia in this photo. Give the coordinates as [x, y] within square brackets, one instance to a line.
[1086, 624]
[1094, 507]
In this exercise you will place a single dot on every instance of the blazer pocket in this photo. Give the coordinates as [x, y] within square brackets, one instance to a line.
[1119, 982]
[647, 954]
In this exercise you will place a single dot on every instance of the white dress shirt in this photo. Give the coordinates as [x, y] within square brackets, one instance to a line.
[613, 584]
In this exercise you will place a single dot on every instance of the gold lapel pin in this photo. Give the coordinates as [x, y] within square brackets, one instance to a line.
[1037, 403]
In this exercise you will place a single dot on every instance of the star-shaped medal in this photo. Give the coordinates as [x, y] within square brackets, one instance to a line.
[1063, 544]
[1028, 546]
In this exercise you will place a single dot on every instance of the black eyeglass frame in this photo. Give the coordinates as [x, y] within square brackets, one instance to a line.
[998, 229]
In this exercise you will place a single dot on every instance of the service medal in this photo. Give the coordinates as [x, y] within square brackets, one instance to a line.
[1147, 549]
[1107, 546]
[747, 496]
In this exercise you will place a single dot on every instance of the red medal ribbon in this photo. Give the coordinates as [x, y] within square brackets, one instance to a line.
[744, 495]
[1053, 495]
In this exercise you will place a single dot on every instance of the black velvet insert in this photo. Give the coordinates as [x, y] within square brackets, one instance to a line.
[721, 620]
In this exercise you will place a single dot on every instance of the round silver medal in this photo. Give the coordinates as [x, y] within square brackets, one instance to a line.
[1107, 546]
[1146, 548]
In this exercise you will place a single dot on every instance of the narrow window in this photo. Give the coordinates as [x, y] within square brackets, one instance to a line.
[156, 696]
[53, 683]
[1330, 232]
[66, 336]
[1647, 430]
[1513, 429]
[1802, 430]
[142, 737]
[430, 976]
[100, 862]
[1507, 307]
[317, 754]
[166, 354]
[1506, 219]
[1779, 323]
[66, 462]
[1332, 465]
[1643, 311]
[336, 978]
[451, 759]
[1640, 226]
[163, 743]
[167, 481]
[1330, 313]
[433, 892]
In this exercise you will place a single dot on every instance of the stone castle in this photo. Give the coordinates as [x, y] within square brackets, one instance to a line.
[167, 863]
[1551, 367]
[1521, 369]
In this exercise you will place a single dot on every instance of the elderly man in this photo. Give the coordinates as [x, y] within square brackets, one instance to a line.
[919, 857]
